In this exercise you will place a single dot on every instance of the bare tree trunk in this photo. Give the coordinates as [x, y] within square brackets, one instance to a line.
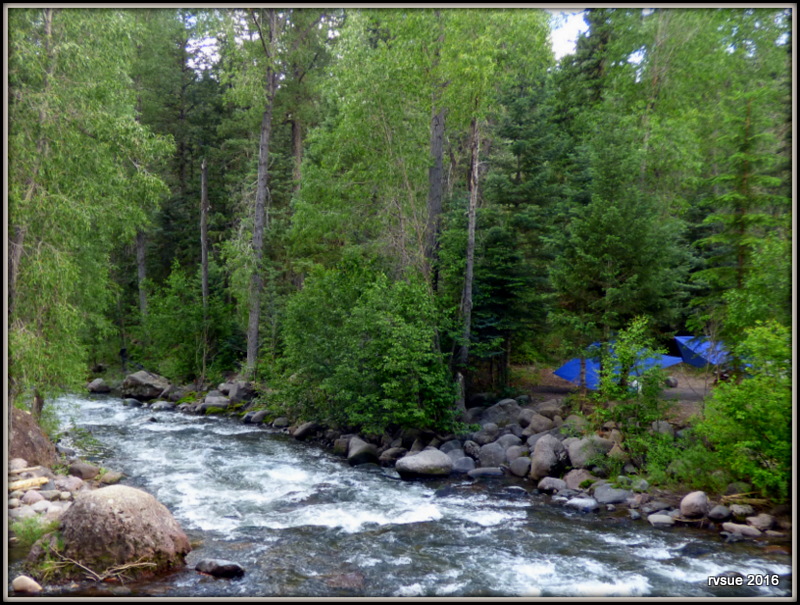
[466, 303]
[14, 257]
[260, 218]
[142, 272]
[204, 208]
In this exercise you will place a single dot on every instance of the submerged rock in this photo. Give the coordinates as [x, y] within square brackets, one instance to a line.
[219, 568]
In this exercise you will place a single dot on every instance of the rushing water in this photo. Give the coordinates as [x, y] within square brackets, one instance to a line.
[302, 522]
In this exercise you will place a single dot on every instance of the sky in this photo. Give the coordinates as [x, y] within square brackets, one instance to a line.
[564, 36]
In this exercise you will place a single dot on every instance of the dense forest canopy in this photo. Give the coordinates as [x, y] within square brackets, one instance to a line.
[391, 198]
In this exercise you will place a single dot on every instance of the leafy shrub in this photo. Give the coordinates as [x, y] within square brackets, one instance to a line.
[749, 423]
[361, 350]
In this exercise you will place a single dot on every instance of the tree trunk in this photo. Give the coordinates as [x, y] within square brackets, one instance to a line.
[204, 208]
[142, 272]
[260, 218]
[466, 303]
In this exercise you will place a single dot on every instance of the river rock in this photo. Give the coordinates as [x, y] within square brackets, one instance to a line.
[582, 451]
[163, 406]
[694, 504]
[744, 530]
[31, 497]
[113, 526]
[741, 511]
[486, 471]
[520, 467]
[84, 470]
[492, 454]
[576, 477]
[548, 456]
[144, 385]
[214, 399]
[550, 409]
[551, 484]
[305, 430]
[455, 454]
[220, 568]
[241, 391]
[25, 584]
[584, 504]
[390, 456]
[537, 424]
[68, 484]
[472, 449]
[451, 445]
[762, 522]
[427, 463]
[659, 520]
[487, 434]
[98, 385]
[719, 513]
[607, 494]
[361, 452]
[463, 465]
[132, 402]
[515, 451]
[502, 413]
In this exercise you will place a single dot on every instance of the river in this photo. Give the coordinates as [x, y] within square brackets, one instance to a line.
[302, 522]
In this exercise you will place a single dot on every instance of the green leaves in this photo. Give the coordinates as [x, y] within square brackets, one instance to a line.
[749, 423]
[362, 348]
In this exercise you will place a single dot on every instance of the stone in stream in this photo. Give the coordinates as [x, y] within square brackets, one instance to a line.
[607, 494]
[583, 504]
[116, 526]
[427, 463]
[98, 385]
[361, 452]
[694, 504]
[463, 465]
[144, 385]
[220, 568]
[657, 520]
[492, 454]
[548, 456]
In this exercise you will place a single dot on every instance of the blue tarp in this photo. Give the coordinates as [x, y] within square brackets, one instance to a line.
[700, 352]
[572, 369]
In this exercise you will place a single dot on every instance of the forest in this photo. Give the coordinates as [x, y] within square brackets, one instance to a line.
[375, 213]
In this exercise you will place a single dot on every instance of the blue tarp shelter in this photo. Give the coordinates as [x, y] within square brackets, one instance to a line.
[701, 352]
[572, 369]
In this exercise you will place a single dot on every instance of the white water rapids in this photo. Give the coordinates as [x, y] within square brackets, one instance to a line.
[301, 521]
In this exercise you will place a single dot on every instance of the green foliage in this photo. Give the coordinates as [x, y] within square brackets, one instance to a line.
[175, 330]
[749, 423]
[362, 349]
[30, 529]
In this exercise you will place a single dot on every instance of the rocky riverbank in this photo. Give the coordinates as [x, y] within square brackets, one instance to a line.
[540, 443]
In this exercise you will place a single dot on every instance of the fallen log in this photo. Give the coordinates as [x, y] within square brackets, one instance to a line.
[34, 483]
[19, 471]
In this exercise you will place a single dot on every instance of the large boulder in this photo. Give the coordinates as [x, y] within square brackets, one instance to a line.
[548, 456]
[502, 413]
[112, 527]
[583, 451]
[98, 385]
[694, 504]
[144, 385]
[28, 441]
[361, 452]
[427, 463]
